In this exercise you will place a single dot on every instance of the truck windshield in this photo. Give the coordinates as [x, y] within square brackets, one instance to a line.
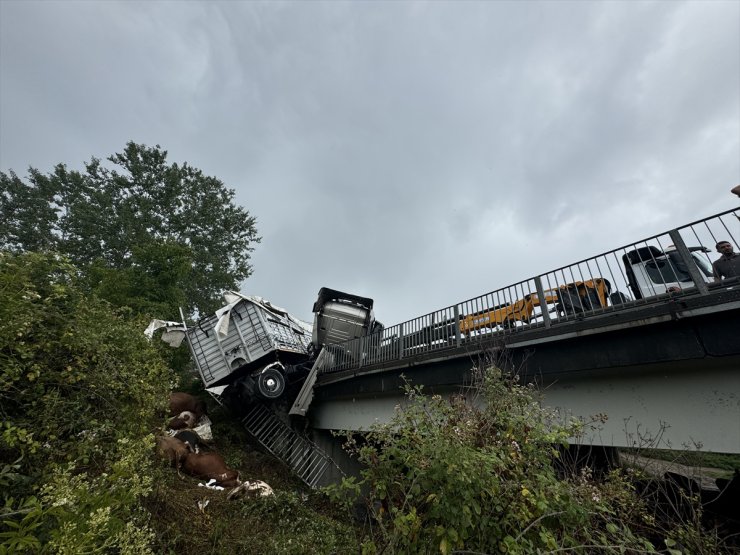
[704, 265]
[672, 269]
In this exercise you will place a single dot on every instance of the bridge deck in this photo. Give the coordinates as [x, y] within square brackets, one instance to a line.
[669, 371]
[718, 336]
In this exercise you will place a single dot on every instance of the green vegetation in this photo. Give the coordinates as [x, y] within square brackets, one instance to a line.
[444, 476]
[80, 388]
[290, 522]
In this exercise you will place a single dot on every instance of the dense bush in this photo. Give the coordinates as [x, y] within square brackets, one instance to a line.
[444, 475]
[80, 391]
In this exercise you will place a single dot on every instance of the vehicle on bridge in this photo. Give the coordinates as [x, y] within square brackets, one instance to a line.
[570, 298]
[651, 271]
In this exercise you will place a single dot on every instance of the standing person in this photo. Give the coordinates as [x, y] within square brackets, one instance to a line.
[727, 265]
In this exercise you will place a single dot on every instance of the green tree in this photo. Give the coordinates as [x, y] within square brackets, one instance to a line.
[151, 284]
[28, 213]
[136, 226]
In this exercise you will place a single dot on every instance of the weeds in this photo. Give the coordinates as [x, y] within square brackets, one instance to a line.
[445, 475]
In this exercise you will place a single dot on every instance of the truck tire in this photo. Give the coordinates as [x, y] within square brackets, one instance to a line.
[270, 383]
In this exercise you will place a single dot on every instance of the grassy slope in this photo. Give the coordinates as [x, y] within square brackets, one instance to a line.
[297, 520]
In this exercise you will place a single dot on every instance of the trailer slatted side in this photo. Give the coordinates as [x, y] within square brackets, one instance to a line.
[254, 333]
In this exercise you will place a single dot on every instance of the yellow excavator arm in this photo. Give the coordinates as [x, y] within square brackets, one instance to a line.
[522, 310]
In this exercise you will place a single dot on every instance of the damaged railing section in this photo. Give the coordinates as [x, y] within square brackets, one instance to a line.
[303, 457]
[656, 269]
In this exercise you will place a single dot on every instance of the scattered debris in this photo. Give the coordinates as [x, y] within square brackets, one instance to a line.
[254, 488]
[203, 428]
[211, 484]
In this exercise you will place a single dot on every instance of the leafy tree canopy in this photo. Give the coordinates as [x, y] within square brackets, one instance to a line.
[148, 234]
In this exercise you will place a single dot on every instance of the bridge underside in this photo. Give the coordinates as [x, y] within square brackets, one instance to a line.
[666, 376]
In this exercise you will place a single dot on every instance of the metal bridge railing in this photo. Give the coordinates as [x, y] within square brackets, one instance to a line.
[672, 264]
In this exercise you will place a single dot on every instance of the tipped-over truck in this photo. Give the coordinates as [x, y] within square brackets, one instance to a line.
[252, 350]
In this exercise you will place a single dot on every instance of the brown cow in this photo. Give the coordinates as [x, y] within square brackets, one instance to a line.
[211, 466]
[185, 419]
[181, 402]
[173, 449]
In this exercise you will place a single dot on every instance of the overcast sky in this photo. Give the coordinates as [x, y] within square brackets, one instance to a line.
[419, 153]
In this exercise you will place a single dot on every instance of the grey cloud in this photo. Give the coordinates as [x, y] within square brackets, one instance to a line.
[418, 152]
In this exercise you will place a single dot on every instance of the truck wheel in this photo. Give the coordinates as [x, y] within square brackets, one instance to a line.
[270, 383]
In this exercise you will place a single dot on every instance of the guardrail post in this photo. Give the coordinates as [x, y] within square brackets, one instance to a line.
[683, 251]
[400, 340]
[543, 303]
[457, 326]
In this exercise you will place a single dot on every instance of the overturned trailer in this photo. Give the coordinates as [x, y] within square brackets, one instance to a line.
[257, 359]
[250, 350]
[250, 342]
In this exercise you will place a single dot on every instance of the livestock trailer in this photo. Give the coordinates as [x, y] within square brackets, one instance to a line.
[249, 336]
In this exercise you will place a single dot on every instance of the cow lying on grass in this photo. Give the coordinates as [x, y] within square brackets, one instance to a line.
[185, 419]
[181, 402]
[211, 466]
[172, 449]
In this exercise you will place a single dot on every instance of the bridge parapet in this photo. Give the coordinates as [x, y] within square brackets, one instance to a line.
[665, 374]
[668, 266]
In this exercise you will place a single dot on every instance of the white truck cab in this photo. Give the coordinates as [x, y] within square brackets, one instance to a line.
[651, 271]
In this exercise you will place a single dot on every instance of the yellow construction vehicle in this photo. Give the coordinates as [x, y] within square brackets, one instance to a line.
[568, 299]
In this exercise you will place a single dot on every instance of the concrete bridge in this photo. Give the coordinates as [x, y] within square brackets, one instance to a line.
[642, 336]
[666, 375]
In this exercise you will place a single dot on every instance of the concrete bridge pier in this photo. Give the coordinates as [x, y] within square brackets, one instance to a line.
[331, 445]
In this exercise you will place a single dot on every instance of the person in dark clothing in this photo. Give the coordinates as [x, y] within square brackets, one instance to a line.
[727, 265]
